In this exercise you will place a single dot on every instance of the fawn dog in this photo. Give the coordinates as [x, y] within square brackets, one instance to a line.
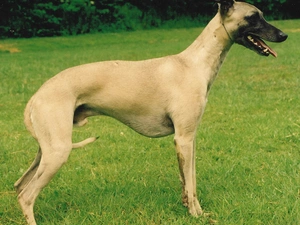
[155, 97]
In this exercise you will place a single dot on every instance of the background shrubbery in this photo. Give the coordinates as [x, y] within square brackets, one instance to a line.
[24, 18]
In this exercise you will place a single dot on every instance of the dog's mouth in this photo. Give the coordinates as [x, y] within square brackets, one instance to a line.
[260, 46]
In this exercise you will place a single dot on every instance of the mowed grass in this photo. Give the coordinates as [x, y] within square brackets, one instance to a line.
[248, 157]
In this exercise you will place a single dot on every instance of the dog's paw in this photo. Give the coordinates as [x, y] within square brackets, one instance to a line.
[195, 208]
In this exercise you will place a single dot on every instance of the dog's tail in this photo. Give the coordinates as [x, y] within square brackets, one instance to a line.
[84, 142]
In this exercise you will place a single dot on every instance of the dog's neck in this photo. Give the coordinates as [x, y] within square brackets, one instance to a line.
[210, 49]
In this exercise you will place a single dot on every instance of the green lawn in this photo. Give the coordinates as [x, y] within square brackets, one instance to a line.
[248, 157]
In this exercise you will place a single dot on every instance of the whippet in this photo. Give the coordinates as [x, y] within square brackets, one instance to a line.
[155, 97]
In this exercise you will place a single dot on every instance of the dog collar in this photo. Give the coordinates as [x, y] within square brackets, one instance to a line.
[227, 33]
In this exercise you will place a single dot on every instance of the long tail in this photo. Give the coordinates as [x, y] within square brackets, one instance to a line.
[84, 142]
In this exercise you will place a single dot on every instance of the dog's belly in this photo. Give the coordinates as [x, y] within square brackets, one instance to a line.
[150, 126]
[147, 124]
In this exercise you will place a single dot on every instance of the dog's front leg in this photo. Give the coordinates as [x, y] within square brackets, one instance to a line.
[185, 147]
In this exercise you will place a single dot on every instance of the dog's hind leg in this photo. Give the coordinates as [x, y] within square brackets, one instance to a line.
[27, 176]
[53, 157]
[54, 136]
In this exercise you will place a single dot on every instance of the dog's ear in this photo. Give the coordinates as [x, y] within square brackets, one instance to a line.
[225, 5]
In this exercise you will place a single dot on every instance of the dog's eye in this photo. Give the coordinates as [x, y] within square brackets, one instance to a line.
[253, 19]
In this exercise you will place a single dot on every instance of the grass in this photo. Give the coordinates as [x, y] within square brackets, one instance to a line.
[248, 157]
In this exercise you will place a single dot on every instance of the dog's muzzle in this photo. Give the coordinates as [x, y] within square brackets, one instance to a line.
[261, 47]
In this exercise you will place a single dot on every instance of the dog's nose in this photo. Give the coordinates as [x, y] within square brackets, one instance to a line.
[282, 36]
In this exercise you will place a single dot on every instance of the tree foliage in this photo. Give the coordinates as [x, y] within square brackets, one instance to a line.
[24, 18]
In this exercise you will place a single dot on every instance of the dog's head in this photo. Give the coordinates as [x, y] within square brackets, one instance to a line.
[246, 26]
